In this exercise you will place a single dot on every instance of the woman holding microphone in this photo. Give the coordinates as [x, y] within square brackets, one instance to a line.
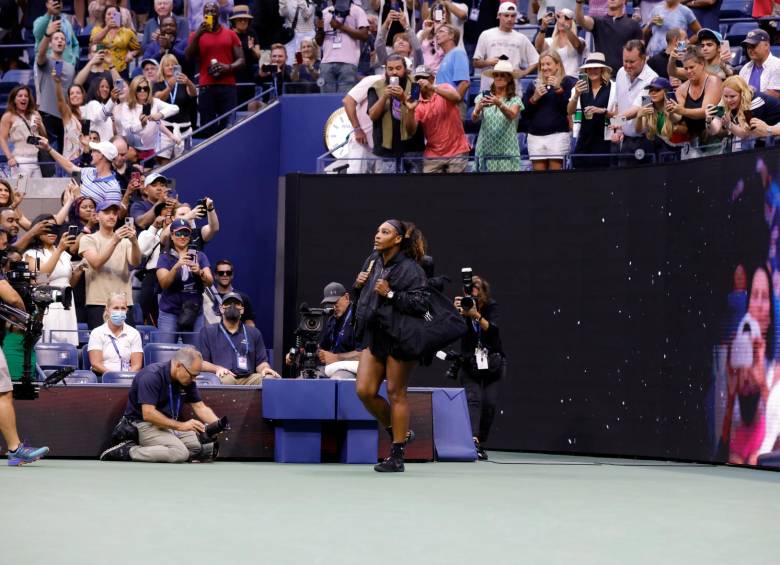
[391, 285]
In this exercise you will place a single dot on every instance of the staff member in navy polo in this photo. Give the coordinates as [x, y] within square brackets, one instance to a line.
[338, 340]
[154, 405]
[233, 350]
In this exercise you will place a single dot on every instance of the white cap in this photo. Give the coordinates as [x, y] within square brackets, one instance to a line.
[507, 8]
[106, 148]
[156, 176]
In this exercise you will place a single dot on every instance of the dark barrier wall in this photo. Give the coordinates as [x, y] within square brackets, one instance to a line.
[240, 172]
[302, 140]
[612, 288]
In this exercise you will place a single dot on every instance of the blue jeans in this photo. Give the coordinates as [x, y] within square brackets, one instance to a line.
[338, 77]
[168, 329]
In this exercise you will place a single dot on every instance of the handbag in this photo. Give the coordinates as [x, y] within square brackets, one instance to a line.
[43, 156]
[188, 316]
[288, 33]
[420, 335]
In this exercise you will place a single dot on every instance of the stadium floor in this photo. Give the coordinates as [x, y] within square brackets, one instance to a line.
[542, 509]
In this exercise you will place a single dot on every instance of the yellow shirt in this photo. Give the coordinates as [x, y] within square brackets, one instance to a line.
[118, 46]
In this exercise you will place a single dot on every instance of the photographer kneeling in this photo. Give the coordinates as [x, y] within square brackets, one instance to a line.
[153, 409]
[482, 364]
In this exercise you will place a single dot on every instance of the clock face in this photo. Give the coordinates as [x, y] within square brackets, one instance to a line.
[337, 129]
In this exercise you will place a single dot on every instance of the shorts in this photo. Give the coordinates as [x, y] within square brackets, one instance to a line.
[551, 146]
[5, 376]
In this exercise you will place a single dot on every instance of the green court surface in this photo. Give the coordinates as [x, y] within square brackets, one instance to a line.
[539, 510]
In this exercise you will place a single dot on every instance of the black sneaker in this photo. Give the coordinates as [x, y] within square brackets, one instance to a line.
[120, 452]
[390, 465]
[481, 453]
[410, 435]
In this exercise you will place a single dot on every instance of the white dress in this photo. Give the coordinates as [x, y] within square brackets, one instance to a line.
[56, 317]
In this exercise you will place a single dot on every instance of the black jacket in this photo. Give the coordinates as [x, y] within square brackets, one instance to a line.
[407, 281]
[491, 339]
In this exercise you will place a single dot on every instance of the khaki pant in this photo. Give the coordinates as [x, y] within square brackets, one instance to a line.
[253, 379]
[157, 445]
[455, 164]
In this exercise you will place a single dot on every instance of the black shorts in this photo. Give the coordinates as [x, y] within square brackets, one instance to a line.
[382, 345]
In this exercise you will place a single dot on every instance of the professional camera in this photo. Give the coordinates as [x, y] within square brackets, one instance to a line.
[36, 297]
[341, 8]
[467, 302]
[209, 446]
[311, 323]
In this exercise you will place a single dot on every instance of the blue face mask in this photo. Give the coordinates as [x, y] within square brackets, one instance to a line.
[118, 317]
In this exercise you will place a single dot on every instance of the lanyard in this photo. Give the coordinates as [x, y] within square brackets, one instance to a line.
[340, 335]
[230, 342]
[173, 94]
[113, 342]
[174, 411]
[478, 330]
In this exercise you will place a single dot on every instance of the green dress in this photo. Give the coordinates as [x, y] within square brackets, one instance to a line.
[498, 138]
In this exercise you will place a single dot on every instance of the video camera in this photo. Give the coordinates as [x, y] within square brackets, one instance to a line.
[311, 323]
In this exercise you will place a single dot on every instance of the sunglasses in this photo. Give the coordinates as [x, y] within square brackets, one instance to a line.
[142, 89]
[564, 16]
[182, 233]
[224, 273]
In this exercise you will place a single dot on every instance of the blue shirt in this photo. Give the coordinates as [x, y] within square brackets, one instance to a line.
[139, 208]
[153, 385]
[100, 189]
[217, 349]
[339, 334]
[186, 287]
[680, 17]
[755, 77]
[454, 68]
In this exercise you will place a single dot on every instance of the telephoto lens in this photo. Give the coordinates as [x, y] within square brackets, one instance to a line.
[217, 427]
[466, 303]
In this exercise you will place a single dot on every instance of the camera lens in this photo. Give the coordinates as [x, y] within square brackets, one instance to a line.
[467, 303]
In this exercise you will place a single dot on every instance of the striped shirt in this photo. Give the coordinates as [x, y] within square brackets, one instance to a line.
[99, 188]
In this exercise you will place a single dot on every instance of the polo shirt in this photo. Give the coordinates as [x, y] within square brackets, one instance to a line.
[770, 77]
[216, 45]
[128, 342]
[454, 68]
[216, 348]
[139, 208]
[442, 126]
[153, 385]
[611, 34]
[339, 334]
[186, 287]
[100, 189]
[629, 94]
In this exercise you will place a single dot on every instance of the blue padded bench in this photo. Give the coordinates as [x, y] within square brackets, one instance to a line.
[362, 441]
[452, 437]
[299, 406]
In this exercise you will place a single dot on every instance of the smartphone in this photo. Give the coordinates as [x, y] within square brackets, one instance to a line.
[584, 78]
[33, 140]
[119, 84]
[76, 175]
[720, 111]
[551, 10]
[73, 231]
[438, 15]
[118, 18]
[415, 93]
[209, 19]
[394, 81]
[86, 125]
[146, 110]
[646, 100]
[135, 176]
[748, 117]
[176, 71]
[100, 47]
[21, 183]
[58, 68]
[299, 57]
[681, 45]
[130, 221]
[172, 187]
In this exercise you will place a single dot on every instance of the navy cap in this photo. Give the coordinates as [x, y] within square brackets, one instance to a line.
[659, 83]
[755, 37]
[180, 223]
[232, 296]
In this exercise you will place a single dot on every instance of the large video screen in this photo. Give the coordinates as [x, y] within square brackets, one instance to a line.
[637, 305]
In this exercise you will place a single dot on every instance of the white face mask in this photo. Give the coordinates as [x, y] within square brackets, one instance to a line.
[118, 317]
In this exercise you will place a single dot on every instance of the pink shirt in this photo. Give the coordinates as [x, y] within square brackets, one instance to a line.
[338, 46]
[442, 125]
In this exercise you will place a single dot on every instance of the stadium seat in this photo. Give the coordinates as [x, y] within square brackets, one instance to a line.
[118, 377]
[736, 56]
[207, 379]
[738, 31]
[735, 9]
[81, 377]
[85, 362]
[146, 333]
[56, 355]
[157, 336]
[160, 352]
[17, 76]
[84, 332]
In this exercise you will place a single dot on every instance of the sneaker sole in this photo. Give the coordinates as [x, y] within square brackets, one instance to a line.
[112, 448]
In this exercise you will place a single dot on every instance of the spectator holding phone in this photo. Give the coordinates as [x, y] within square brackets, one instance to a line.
[386, 108]
[277, 74]
[546, 104]
[666, 15]
[299, 17]
[182, 272]
[97, 6]
[195, 10]
[53, 15]
[499, 108]
[241, 23]
[696, 94]
[99, 108]
[76, 139]
[97, 68]
[433, 54]
[665, 129]
[591, 100]
[712, 49]
[201, 235]
[120, 41]
[447, 12]
[390, 14]
[610, 32]
[405, 43]
[109, 253]
[306, 68]
[564, 39]
[168, 42]
[669, 59]
[341, 47]
[50, 69]
[742, 113]
[504, 41]
[139, 118]
[175, 87]
[145, 211]
[116, 345]
[21, 124]
[220, 54]
[163, 9]
[48, 259]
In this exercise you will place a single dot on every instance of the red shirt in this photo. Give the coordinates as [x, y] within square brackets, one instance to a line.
[216, 45]
[442, 125]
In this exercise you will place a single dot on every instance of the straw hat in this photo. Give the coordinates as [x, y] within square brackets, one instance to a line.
[241, 12]
[595, 60]
[502, 67]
